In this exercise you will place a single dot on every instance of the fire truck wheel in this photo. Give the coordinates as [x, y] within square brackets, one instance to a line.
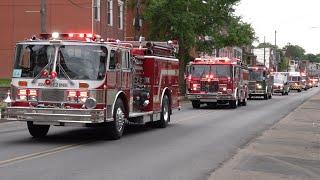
[117, 125]
[233, 104]
[37, 131]
[244, 102]
[165, 112]
[195, 104]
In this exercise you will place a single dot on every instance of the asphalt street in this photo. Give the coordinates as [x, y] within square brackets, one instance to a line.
[194, 144]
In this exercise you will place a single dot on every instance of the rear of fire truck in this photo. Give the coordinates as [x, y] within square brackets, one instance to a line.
[215, 81]
[78, 79]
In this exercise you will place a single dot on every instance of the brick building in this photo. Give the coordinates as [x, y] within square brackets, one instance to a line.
[20, 19]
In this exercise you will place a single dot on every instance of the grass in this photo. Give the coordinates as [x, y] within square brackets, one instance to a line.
[5, 82]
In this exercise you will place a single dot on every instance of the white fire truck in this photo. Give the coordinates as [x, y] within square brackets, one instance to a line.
[217, 80]
[80, 79]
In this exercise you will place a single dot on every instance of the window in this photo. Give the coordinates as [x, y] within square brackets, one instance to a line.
[124, 59]
[112, 62]
[120, 15]
[109, 12]
[96, 10]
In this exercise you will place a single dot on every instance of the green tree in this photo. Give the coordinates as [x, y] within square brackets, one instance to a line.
[265, 45]
[189, 20]
[312, 57]
[294, 52]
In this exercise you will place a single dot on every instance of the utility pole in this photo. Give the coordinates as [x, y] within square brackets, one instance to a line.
[264, 50]
[137, 21]
[275, 49]
[43, 15]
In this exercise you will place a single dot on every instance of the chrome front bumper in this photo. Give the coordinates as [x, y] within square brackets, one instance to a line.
[257, 92]
[210, 97]
[55, 116]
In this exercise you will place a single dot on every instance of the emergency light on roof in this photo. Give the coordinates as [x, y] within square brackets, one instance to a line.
[70, 36]
[55, 35]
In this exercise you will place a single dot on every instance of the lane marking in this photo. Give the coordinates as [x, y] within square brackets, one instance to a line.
[40, 154]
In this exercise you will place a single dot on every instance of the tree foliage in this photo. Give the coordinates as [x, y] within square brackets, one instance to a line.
[312, 57]
[203, 25]
[265, 45]
[294, 52]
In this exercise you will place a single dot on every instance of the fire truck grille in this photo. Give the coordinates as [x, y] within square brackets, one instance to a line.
[252, 85]
[212, 86]
[52, 95]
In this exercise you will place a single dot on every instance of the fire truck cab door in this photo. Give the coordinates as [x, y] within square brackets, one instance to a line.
[120, 65]
[125, 70]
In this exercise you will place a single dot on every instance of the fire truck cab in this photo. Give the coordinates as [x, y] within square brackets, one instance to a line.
[80, 79]
[217, 80]
[260, 82]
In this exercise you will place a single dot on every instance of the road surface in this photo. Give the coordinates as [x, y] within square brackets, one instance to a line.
[191, 147]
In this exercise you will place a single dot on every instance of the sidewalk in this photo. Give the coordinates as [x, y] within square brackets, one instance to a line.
[289, 150]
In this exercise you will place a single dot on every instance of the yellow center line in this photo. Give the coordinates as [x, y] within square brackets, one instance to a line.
[40, 154]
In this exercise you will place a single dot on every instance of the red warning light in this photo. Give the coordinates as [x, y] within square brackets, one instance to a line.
[53, 75]
[47, 82]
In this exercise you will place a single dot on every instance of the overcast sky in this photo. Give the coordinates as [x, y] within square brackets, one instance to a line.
[293, 19]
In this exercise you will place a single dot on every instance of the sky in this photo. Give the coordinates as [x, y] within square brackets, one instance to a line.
[296, 21]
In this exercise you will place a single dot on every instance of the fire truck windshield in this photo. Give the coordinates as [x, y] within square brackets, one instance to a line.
[278, 80]
[295, 78]
[31, 59]
[75, 61]
[256, 75]
[217, 70]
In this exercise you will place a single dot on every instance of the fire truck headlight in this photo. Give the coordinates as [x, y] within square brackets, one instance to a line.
[224, 89]
[259, 86]
[90, 103]
[195, 87]
[146, 103]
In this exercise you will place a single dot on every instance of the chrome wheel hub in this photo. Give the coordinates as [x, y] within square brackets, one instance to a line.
[119, 119]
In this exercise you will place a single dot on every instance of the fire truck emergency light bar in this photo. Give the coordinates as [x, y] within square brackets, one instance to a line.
[69, 36]
[217, 60]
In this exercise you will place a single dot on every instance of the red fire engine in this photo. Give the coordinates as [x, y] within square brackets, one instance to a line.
[214, 81]
[80, 79]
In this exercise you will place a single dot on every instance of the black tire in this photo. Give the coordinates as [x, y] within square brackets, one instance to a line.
[265, 97]
[165, 113]
[283, 93]
[244, 102]
[116, 127]
[195, 104]
[37, 131]
[299, 90]
[233, 104]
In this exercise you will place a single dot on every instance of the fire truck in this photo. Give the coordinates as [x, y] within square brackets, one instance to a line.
[81, 79]
[260, 82]
[296, 82]
[217, 80]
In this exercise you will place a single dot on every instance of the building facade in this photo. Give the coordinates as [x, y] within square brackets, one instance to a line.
[20, 19]
[265, 56]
